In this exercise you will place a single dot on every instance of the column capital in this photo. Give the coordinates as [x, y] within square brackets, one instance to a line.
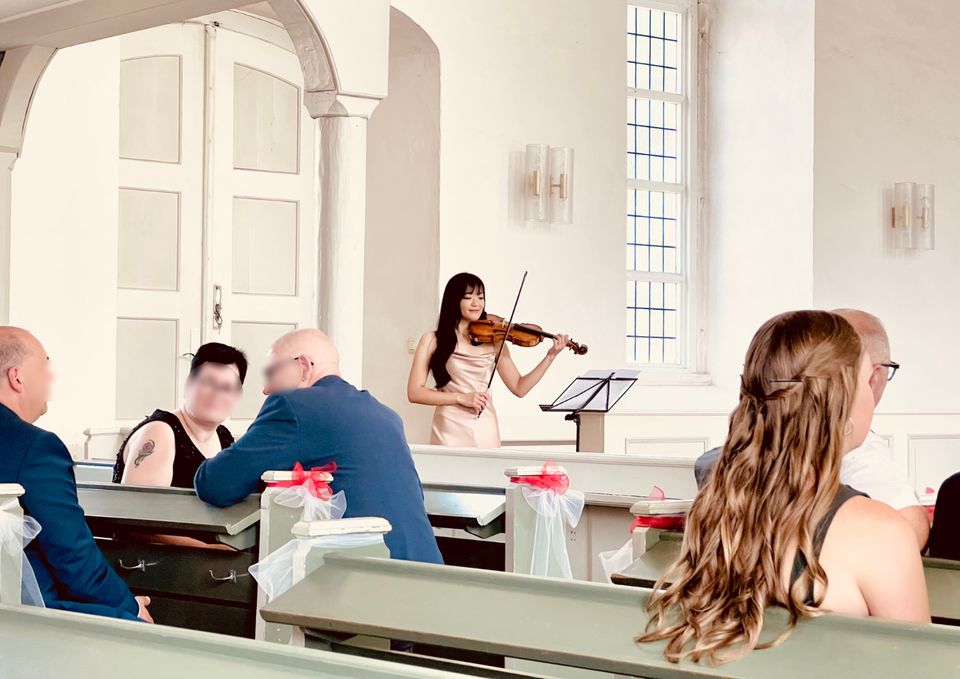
[330, 104]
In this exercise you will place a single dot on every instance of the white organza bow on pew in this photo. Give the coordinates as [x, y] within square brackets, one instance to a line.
[275, 575]
[16, 532]
[550, 496]
[310, 490]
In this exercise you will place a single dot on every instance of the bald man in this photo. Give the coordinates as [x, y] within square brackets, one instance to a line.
[313, 416]
[70, 570]
[871, 468]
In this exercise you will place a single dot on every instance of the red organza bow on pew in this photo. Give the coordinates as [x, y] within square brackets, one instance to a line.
[550, 478]
[312, 480]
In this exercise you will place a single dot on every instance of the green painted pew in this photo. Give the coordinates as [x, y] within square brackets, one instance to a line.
[191, 587]
[663, 548]
[576, 624]
[46, 643]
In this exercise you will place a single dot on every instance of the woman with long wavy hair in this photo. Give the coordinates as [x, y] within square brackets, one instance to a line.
[773, 525]
[464, 414]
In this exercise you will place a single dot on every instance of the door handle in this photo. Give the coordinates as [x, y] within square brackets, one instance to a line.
[230, 577]
[141, 565]
[218, 307]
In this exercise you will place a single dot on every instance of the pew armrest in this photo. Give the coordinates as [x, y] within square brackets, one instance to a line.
[277, 476]
[366, 524]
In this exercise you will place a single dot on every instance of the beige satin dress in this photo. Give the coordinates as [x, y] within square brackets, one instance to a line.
[457, 426]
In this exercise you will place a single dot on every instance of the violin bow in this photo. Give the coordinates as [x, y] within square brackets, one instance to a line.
[506, 334]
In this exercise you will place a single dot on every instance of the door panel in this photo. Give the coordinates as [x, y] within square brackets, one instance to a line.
[255, 338]
[257, 241]
[262, 230]
[144, 385]
[160, 215]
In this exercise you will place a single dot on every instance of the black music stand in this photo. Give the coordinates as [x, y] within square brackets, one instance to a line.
[596, 391]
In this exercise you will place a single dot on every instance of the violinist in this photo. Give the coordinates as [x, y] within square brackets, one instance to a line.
[461, 369]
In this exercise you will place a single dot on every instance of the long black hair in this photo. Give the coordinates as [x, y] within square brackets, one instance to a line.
[450, 317]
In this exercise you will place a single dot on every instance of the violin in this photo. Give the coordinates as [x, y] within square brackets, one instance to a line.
[494, 329]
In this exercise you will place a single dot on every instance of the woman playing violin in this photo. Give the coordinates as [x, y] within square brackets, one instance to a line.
[461, 371]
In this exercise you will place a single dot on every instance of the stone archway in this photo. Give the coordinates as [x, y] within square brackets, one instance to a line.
[345, 74]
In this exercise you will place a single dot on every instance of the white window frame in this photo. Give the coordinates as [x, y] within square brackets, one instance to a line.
[691, 316]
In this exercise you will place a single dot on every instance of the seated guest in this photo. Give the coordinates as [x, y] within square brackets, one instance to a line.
[167, 448]
[870, 468]
[314, 417]
[773, 524]
[945, 536]
[70, 570]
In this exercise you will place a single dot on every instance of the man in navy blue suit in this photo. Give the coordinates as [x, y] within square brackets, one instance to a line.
[70, 570]
[313, 416]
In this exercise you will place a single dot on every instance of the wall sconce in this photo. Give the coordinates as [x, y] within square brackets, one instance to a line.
[548, 184]
[912, 216]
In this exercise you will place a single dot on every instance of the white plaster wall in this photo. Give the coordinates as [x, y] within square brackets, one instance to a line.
[888, 110]
[760, 170]
[551, 72]
[63, 239]
[403, 220]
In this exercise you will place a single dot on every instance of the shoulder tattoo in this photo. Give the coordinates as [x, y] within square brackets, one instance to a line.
[146, 450]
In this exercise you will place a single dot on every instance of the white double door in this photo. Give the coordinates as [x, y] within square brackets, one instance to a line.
[216, 228]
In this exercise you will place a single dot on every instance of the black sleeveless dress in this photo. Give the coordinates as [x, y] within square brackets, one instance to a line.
[844, 493]
[187, 457]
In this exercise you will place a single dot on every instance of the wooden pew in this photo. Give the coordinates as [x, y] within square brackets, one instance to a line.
[191, 587]
[663, 549]
[93, 472]
[279, 524]
[592, 473]
[47, 643]
[11, 559]
[611, 484]
[582, 625]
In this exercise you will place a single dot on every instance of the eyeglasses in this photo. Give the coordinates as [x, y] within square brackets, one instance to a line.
[271, 370]
[892, 368]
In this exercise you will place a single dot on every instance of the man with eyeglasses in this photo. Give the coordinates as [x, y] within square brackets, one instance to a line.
[314, 417]
[869, 468]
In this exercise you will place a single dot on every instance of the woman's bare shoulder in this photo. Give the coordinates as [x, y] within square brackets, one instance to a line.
[872, 524]
[157, 432]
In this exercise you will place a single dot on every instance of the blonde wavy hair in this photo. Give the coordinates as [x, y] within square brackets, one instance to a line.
[774, 480]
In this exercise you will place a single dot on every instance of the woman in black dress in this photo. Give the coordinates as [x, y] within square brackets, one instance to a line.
[166, 448]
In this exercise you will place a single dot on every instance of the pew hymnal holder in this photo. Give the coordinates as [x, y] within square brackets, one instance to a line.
[594, 392]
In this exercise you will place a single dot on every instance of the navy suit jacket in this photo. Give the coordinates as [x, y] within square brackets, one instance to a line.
[71, 571]
[331, 421]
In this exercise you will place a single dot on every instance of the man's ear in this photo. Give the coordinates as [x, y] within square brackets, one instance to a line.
[13, 379]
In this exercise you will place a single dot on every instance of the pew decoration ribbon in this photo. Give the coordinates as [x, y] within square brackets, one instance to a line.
[616, 560]
[550, 496]
[282, 569]
[930, 492]
[662, 521]
[311, 490]
[16, 532]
